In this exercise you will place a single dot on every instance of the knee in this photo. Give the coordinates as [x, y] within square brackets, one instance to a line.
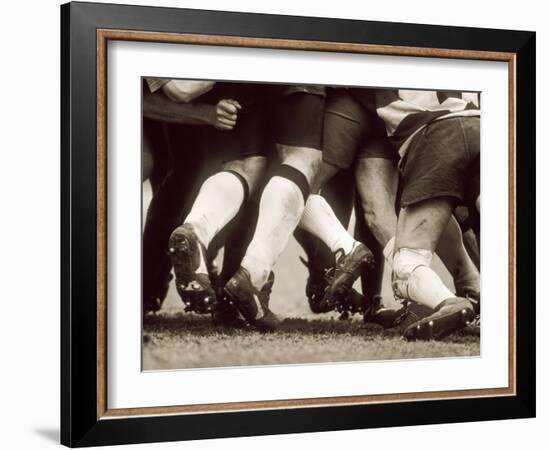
[254, 172]
[405, 262]
[314, 175]
[254, 165]
[250, 170]
[306, 160]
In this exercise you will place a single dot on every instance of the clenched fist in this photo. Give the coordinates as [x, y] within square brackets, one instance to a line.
[226, 114]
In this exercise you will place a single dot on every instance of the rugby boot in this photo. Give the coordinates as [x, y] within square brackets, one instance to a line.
[473, 296]
[186, 252]
[252, 303]
[475, 299]
[353, 303]
[347, 270]
[449, 316]
[226, 313]
[315, 287]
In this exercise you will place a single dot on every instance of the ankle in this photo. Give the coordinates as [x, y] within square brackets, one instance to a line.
[200, 230]
[258, 274]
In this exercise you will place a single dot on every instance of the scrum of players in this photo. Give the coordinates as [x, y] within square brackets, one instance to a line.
[246, 166]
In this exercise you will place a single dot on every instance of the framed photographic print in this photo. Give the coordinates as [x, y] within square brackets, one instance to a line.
[273, 224]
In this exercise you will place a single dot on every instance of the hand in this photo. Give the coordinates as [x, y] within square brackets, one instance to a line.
[226, 114]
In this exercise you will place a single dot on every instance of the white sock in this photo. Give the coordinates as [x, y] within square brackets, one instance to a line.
[281, 207]
[219, 200]
[414, 280]
[388, 251]
[319, 220]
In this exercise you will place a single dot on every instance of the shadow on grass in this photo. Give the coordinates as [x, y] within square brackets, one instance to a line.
[183, 324]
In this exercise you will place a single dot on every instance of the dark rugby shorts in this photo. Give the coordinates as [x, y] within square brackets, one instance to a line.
[443, 161]
[295, 114]
[352, 132]
[249, 136]
[287, 115]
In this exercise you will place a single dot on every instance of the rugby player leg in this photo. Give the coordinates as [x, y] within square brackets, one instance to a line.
[456, 259]
[170, 202]
[234, 238]
[451, 251]
[438, 169]
[222, 195]
[152, 302]
[338, 192]
[351, 256]
[372, 277]
[173, 162]
[346, 126]
[238, 237]
[376, 180]
[377, 187]
[281, 206]
[466, 274]
[471, 244]
[419, 228]
[298, 124]
[469, 238]
[219, 200]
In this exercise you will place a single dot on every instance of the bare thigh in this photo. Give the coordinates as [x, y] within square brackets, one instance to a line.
[419, 226]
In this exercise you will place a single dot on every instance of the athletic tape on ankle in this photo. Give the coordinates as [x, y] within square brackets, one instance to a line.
[405, 262]
[246, 188]
[296, 177]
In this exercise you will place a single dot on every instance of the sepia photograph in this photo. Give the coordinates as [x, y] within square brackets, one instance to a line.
[299, 224]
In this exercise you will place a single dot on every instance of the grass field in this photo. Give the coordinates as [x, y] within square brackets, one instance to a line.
[175, 340]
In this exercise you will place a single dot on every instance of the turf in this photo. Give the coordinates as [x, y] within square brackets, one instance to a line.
[178, 340]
